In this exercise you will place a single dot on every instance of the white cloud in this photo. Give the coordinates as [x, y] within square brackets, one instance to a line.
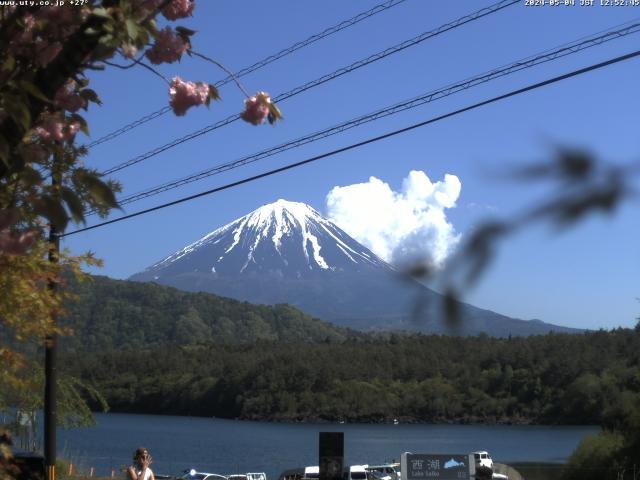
[400, 227]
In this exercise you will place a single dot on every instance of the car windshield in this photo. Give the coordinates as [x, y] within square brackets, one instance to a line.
[358, 475]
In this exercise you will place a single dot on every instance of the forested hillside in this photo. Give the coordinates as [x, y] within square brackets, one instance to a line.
[113, 314]
[593, 378]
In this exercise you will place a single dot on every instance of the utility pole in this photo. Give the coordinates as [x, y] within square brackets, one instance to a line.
[50, 367]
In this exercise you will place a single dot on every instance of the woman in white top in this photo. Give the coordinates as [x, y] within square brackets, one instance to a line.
[140, 469]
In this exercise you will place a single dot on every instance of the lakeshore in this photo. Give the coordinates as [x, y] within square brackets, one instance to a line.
[216, 445]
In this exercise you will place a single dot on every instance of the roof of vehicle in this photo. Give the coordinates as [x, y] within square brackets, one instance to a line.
[194, 474]
[378, 474]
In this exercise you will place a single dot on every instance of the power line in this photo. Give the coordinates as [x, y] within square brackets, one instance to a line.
[528, 62]
[365, 142]
[324, 79]
[259, 64]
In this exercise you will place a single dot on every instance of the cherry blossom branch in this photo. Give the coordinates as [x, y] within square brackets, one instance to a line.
[222, 67]
[138, 62]
[133, 63]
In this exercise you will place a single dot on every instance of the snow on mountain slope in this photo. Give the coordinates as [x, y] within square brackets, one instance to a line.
[286, 252]
[286, 237]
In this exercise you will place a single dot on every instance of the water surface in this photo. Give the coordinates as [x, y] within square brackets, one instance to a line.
[228, 446]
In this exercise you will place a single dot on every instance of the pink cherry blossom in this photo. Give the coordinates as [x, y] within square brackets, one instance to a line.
[256, 108]
[168, 47]
[24, 36]
[178, 9]
[129, 51]
[184, 95]
[52, 130]
[60, 22]
[67, 98]
[145, 7]
[14, 243]
[55, 16]
[47, 53]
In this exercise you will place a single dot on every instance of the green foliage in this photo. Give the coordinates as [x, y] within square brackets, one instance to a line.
[596, 458]
[112, 314]
[371, 379]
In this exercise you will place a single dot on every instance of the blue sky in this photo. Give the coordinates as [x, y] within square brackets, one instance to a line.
[585, 277]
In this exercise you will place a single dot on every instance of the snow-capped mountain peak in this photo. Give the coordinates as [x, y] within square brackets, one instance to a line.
[286, 252]
[289, 238]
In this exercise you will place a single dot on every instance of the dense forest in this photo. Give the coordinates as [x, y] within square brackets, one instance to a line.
[592, 378]
[111, 314]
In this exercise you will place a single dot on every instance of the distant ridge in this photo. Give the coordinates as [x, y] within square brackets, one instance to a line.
[122, 315]
[286, 252]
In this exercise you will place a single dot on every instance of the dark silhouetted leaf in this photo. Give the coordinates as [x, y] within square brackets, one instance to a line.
[73, 204]
[33, 91]
[90, 96]
[53, 211]
[4, 150]
[18, 110]
[100, 192]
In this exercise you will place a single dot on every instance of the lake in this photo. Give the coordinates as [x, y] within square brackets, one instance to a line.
[229, 446]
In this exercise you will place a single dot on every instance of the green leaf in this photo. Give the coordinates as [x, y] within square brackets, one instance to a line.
[29, 177]
[4, 150]
[274, 114]
[18, 111]
[33, 90]
[101, 12]
[9, 63]
[213, 93]
[132, 28]
[143, 37]
[84, 127]
[74, 204]
[90, 96]
[52, 210]
[106, 40]
[182, 31]
[99, 191]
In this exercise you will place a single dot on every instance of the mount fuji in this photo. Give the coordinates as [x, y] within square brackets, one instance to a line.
[286, 252]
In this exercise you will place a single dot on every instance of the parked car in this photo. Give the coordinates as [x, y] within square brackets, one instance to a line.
[193, 474]
[248, 476]
[376, 475]
[390, 469]
[311, 473]
[357, 472]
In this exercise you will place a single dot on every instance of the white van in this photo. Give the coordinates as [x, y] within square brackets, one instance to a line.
[357, 472]
[311, 473]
